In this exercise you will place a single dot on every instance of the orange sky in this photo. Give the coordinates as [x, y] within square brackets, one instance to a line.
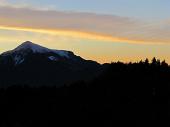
[99, 37]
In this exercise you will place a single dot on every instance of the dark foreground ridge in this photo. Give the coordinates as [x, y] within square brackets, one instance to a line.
[134, 94]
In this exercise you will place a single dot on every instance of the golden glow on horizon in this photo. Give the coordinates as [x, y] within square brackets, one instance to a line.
[93, 36]
[102, 52]
[78, 34]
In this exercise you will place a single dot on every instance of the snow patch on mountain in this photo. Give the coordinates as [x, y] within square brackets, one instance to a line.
[52, 58]
[35, 48]
[18, 59]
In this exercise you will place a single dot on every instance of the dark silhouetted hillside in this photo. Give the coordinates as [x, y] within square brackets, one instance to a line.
[134, 94]
[33, 65]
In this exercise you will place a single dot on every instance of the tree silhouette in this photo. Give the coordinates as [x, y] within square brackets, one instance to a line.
[164, 64]
[154, 61]
[134, 94]
[147, 61]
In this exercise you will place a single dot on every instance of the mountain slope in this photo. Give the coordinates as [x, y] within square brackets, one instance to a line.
[27, 48]
[32, 64]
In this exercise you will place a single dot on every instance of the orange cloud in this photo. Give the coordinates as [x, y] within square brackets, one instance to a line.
[83, 25]
[72, 33]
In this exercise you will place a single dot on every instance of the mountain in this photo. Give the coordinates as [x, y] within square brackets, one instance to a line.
[35, 65]
[19, 54]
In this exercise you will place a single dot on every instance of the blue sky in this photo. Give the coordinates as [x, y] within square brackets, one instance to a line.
[143, 9]
[101, 30]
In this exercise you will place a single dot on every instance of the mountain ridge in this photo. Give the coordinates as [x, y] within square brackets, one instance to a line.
[33, 64]
[29, 47]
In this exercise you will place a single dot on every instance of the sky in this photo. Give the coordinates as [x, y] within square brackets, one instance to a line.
[100, 30]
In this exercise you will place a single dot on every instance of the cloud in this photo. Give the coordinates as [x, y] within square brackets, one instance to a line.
[7, 3]
[24, 4]
[84, 25]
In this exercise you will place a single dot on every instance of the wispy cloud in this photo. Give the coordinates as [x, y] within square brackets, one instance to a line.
[24, 4]
[8, 3]
[84, 25]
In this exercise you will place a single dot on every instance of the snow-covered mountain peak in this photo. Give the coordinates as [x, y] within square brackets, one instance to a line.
[35, 48]
[31, 46]
[20, 53]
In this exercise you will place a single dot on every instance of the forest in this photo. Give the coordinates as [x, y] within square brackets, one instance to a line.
[125, 94]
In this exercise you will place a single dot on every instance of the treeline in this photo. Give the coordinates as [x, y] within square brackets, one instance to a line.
[133, 94]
